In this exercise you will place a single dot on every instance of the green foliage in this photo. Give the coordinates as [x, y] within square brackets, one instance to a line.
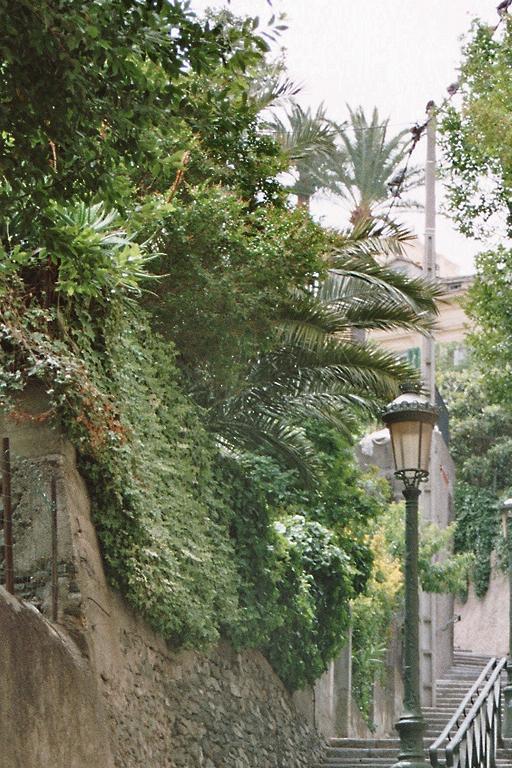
[477, 135]
[439, 571]
[478, 520]
[301, 555]
[108, 92]
[345, 500]
[91, 255]
[220, 127]
[224, 282]
[490, 306]
[314, 599]
[374, 611]
[156, 505]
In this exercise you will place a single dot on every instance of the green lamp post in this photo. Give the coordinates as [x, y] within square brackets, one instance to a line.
[506, 512]
[410, 419]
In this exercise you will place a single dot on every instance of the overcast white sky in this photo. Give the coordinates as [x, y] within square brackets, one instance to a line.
[393, 54]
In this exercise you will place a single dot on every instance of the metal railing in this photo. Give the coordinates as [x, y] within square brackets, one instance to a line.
[474, 732]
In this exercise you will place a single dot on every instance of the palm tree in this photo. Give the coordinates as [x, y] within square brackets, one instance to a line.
[317, 369]
[308, 141]
[370, 166]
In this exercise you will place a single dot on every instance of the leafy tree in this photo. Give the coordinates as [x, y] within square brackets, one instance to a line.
[490, 304]
[104, 101]
[477, 136]
[223, 283]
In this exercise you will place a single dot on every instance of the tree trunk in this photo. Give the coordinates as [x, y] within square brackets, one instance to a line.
[303, 201]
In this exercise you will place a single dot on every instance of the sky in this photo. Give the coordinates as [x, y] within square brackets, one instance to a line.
[392, 54]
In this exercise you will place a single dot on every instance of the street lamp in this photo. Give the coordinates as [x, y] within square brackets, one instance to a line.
[506, 516]
[410, 419]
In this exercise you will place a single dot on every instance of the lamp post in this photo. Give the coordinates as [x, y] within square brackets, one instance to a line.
[506, 515]
[410, 419]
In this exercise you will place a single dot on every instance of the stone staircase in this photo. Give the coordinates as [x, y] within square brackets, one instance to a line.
[450, 690]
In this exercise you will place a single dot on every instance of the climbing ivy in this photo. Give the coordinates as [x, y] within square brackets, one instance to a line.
[300, 558]
[380, 605]
[478, 527]
[481, 446]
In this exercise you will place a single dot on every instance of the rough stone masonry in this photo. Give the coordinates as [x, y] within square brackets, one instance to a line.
[99, 689]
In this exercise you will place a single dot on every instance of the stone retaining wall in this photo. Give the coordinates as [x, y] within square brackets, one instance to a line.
[50, 713]
[123, 698]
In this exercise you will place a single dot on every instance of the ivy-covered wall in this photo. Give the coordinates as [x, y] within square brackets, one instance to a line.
[163, 708]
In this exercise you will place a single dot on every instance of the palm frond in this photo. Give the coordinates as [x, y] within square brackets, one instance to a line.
[272, 88]
[316, 369]
[369, 161]
[304, 134]
[357, 283]
[261, 432]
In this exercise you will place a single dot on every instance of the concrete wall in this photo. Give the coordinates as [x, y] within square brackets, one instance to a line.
[328, 704]
[484, 623]
[103, 689]
[50, 713]
[388, 696]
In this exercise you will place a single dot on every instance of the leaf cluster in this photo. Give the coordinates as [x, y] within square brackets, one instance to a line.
[477, 135]
[376, 609]
[302, 554]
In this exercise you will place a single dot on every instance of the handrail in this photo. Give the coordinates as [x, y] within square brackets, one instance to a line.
[461, 710]
[481, 728]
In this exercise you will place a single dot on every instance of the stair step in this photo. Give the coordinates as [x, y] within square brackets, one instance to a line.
[449, 693]
[371, 760]
[347, 742]
[355, 752]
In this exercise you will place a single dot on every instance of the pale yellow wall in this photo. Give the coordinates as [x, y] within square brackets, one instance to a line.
[451, 325]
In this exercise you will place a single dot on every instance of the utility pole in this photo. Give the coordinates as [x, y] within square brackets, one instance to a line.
[428, 603]
[428, 366]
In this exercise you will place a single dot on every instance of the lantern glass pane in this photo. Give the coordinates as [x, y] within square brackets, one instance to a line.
[406, 444]
[426, 440]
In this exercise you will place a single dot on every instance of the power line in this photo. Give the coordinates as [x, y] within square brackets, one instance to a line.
[419, 129]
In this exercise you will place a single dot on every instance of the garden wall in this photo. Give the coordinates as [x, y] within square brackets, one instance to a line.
[50, 712]
[104, 689]
[484, 624]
